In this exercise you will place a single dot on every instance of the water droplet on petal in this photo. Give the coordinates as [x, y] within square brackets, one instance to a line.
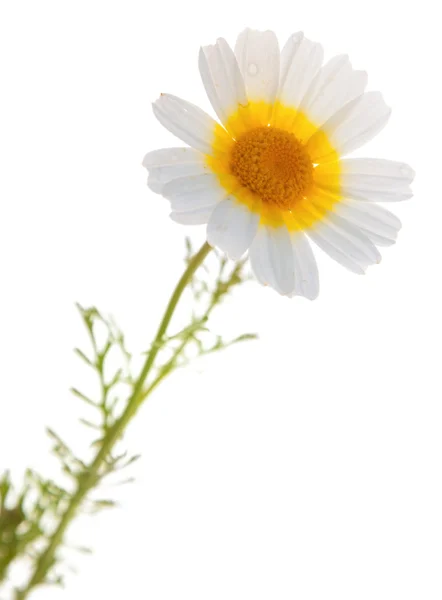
[252, 69]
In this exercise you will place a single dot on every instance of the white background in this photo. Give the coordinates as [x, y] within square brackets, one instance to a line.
[306, 465]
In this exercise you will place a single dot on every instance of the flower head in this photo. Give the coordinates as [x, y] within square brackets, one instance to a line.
[272, 176]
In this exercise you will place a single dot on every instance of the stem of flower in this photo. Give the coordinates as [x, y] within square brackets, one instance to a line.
[92, 473]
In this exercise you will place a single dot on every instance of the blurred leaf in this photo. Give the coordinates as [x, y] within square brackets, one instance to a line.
[83, 356]
[82, 549]
[78, 394]
[89, 424]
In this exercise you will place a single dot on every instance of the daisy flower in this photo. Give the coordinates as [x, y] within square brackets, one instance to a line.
[272, 175]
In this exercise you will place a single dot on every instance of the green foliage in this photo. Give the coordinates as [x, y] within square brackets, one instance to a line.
[196, 340]
[34, 519]
[17, 529]
[30, 517]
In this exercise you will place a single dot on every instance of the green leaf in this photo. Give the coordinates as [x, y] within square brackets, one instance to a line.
[245, 337]
[82, 549]
[89, 424]
[115, 379]
[126, 481]
[83, 356]
[78, 394]
[5, 487]
[132, 459]
[102, 504]
[61, 445]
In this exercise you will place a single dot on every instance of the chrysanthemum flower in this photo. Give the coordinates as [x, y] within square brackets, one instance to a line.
[273, 174]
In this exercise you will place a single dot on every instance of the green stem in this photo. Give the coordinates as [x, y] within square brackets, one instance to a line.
[91, 473]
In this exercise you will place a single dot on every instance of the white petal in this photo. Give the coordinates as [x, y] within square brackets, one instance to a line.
[186, 121]
[361, 245]
[394, 174]
[232, 228]
[171, 163]
[335, 85]
[222, 79]
[271, 258]
[324, 76]
[164, 175]
[288, 54]
[379, 213]
[379, 240]
[189, 193]
[189, 185]
[376, 180]
[353, 125]
[366, 173]
[300, 60]
[335, 253]
[306, 269]
[199, 216]
[154, 184]
[257, 53]
[369, 179]
[376, 222]
[167, 157]
[260, 261]
[345, 243]
[358, 191]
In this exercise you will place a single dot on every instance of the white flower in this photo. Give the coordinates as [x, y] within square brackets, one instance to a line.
[273, 175]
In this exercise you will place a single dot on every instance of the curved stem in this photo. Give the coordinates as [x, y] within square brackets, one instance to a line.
[194, 263]
[92, 473]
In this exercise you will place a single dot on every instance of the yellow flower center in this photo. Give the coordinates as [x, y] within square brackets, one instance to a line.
[273, 164]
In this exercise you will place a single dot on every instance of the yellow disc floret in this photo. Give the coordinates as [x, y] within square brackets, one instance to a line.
[274, 165]
[265, 164]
